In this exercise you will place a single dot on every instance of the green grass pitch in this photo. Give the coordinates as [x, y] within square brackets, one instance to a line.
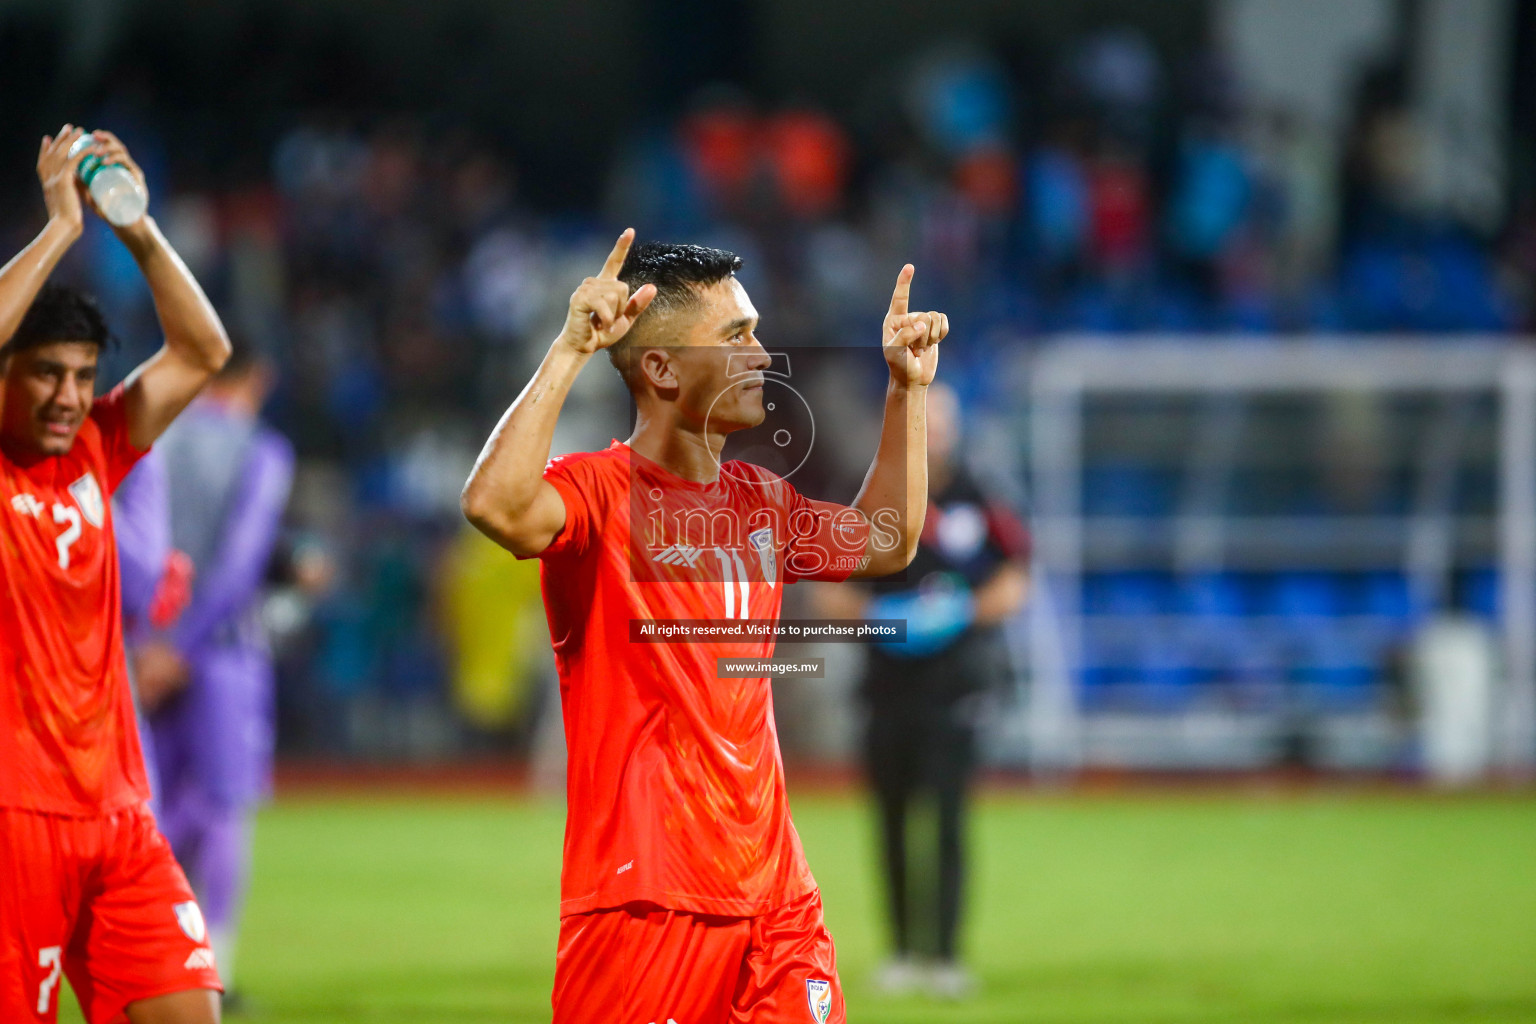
[1168, 908]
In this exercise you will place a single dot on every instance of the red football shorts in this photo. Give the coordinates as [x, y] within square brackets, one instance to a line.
[100, 901]
[641, 964]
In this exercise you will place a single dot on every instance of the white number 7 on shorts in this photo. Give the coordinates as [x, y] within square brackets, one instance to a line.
[51, 958]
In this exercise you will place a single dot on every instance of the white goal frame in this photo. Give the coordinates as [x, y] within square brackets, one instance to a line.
[1070, 369]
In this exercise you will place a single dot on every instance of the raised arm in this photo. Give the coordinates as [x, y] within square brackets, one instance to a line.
[195, 347]
[898, 478]
[28, 270]
[506, 497]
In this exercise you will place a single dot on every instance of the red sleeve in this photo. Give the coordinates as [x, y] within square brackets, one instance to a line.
[826, 541]
[110, 414]
[585, 490]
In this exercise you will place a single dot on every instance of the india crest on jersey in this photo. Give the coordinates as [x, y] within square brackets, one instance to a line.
[87, 494]
[819, 994]
[190, 917]
[762, 543]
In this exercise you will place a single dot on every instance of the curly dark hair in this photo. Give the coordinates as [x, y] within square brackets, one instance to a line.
[60, 313]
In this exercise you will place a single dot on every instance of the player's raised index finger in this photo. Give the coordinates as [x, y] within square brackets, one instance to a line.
[616, 258]
[903, 292]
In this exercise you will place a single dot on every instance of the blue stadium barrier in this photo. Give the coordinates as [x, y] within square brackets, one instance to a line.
[1214, 594]
[1128, 490]
[1305, 595]
[1386, 594]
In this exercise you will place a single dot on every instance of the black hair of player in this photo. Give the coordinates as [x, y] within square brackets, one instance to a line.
[678, 271]
[60, 313]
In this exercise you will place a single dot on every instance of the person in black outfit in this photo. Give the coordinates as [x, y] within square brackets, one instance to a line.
[970, 574]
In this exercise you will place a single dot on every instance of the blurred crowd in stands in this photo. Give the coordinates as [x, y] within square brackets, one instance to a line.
[404, 290]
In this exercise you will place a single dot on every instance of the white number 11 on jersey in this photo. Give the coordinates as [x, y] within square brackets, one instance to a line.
[733, 580]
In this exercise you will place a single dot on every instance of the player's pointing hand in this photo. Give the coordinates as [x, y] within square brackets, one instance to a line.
[602, 310]
[910, 340]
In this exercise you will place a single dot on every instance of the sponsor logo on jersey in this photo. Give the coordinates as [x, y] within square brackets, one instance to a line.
[200, 959]
[762, 542]
[87, 494]
[678, 554]
[191, 920]
[27, 505]
[819, 994]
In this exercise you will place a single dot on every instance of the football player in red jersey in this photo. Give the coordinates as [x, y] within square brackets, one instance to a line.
[91, 891]
[685, 895]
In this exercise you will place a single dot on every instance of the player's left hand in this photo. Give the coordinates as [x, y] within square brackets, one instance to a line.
[112, 151]
[911, 340]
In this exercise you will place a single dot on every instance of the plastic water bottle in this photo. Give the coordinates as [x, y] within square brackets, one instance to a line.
[117, 192]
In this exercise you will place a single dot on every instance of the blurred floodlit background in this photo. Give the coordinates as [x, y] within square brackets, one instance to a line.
[1137, 214]
[1241, 294]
